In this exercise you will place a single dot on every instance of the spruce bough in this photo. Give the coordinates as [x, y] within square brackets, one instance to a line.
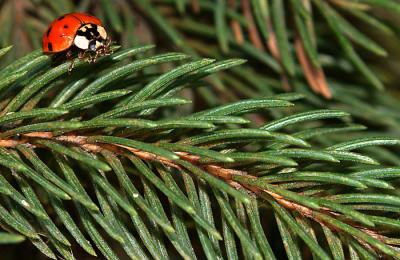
[104, 159]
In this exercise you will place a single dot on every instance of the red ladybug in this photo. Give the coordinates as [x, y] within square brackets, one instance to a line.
[77, 31]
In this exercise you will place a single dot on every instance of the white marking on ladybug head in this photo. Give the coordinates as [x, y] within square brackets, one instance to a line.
[99, 44]
[81, 42]
[102, 32]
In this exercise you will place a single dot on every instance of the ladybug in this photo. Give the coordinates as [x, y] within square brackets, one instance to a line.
[77, 32]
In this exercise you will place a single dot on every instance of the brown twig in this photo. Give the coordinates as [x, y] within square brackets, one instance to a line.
[315, 76]
[216, 170]
[252, 28]
[235, 25]
[196, 6]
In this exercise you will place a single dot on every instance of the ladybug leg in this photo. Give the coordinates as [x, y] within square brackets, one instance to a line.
[69, 55]
[81, 55]
[96, 55]
[92, 58]
[71, 66]
[106, 50]
[85, 56]
[70, 58]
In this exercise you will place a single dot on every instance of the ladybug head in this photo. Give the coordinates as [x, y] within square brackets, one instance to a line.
[90, 37]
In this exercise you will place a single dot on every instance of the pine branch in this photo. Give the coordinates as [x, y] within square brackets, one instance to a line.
[91, 135]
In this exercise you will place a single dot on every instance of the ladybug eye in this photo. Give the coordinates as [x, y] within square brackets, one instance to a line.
[92, 45]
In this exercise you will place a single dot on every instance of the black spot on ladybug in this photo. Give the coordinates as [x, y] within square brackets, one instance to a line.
[94, 31]
[65, 26]
[60, 18]
[89, 31]
[48, 31]
[50, 46]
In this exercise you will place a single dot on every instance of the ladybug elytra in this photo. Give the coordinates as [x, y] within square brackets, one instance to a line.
[77, 31]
